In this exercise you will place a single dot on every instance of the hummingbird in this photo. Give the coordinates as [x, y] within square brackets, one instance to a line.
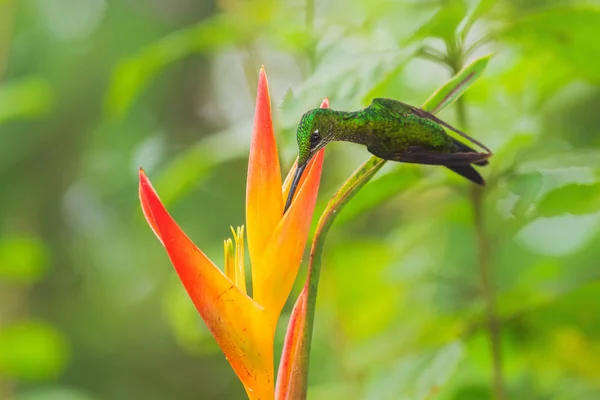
[391, 130]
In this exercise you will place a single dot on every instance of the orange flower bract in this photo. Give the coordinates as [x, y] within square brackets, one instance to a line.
[244, 327]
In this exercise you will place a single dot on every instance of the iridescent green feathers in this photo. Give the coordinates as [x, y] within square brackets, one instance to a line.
[389, 129]
[393, 131]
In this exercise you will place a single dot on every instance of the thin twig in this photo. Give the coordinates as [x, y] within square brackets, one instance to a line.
[493, 321]
[483, 250]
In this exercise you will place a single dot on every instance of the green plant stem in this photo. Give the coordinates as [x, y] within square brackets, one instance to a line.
[298, 381]
[444, 96]
[493, 323]
[486, 281]
[358, 179]
[461, 113]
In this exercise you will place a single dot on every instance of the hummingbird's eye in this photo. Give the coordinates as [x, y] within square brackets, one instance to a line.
[314, 138]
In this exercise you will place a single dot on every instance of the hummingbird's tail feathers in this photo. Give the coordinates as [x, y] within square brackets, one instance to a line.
[468, 172]
[461, 147]
[418, 155]
[425, 114]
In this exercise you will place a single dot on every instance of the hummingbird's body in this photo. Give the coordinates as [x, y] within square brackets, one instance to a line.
[393, 131]
[388, 129]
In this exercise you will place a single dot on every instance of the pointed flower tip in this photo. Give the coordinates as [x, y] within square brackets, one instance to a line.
[325, 103]
[147, 196]
[263, 84]
[145, 184]
[142, 174]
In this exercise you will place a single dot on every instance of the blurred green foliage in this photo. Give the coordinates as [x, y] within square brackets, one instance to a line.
[90, 90]
[31, 351]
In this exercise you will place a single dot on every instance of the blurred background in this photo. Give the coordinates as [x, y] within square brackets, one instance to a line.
[430, 289]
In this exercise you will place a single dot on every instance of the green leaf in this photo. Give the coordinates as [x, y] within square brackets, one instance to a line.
[25, 98]
[456, 86]
[22, 259]
[569, 35]
[573, 199]
[31, 351]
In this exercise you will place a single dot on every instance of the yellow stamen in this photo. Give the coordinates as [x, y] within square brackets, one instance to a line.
[239, 259]
[239, 272]
[229, 260]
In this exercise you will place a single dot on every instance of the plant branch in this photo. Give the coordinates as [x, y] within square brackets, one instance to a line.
[493, 322]
[304, 309]
[485, 275]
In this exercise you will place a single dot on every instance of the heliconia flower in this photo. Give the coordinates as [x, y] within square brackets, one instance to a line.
[244, 326]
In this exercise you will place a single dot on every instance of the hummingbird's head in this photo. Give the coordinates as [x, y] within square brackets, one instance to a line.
[314, 132]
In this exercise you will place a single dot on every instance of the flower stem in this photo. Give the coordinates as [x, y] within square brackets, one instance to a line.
[358, 179]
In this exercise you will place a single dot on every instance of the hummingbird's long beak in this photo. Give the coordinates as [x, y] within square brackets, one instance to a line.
[295, 182]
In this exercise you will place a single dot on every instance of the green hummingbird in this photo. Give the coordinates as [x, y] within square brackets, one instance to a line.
[391, 130]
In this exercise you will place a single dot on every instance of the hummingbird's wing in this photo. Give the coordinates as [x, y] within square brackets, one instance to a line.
[420, 155]
[424, 114]
[463, 148]
[398, 107]
[458, 162]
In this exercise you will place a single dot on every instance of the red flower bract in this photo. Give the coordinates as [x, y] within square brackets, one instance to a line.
[244, 327]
